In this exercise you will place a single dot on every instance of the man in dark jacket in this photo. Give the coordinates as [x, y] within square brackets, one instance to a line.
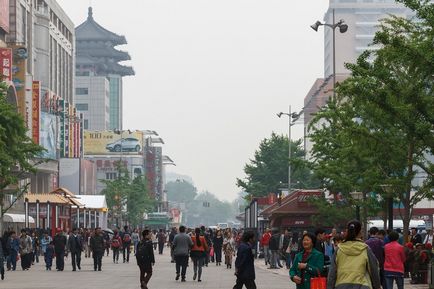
[244, 264]
[145, 258]
[97, 247]
[59, 242]
[274, 248]
[377, 247]
[75, 247]
[171, 237]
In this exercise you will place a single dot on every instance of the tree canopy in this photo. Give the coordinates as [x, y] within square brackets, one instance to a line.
[267, 172]
[127, 198]
[377, 134]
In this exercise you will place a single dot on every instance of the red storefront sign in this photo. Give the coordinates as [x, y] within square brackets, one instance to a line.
[36, 106]
[6, 63]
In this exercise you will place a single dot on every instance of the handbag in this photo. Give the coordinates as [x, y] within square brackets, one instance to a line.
[211, 252]
[318, 282]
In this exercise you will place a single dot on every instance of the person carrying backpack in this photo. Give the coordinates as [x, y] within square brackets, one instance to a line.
[145, 258]
[116, 244]
[126, 242]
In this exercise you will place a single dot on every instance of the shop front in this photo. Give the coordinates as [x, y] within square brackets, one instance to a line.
[293, 211]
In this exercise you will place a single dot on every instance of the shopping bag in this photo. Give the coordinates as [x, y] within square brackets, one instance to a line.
[318, 283]
[211, 252]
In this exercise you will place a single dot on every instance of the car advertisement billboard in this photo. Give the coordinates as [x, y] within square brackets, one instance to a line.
[109, 142]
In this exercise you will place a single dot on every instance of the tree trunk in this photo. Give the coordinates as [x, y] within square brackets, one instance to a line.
[407, 197]
[1, 214]
[365, 218]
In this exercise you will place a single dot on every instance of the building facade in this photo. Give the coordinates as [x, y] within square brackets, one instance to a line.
[98, 57]
[92, 94]
[362, 18]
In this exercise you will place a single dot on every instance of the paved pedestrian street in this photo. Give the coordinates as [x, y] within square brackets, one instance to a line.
[126, 276]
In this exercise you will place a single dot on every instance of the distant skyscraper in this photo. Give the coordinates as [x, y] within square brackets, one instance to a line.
[100, 101]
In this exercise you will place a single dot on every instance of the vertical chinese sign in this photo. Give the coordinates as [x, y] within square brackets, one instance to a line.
[6, 63]
[61, 107]
[36, 108]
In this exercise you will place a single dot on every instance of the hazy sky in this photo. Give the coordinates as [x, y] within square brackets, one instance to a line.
[212, 74]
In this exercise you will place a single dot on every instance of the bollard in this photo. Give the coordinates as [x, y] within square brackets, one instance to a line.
[430, 275]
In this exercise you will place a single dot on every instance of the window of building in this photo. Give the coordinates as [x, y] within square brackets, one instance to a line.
[110, 176]
[82, 106]
[86, 124]
[81, 91]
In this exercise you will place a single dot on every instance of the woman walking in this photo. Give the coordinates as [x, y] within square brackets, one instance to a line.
[145, 258]
[394, 262]
[218, 246]
[354, 266]
[228, 249]
[307, 264]
[198, 254]
[116, 244]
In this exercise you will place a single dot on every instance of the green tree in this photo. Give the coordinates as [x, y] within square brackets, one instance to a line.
[385, 115]
[17, 151]
[138, 201]
[180, 191]
[268, 169]
[127, 198]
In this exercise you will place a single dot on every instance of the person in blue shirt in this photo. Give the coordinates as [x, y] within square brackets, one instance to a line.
[14, 245]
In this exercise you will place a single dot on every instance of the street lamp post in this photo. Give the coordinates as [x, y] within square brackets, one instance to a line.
[293, 117]
[357, 196]
[342, 29]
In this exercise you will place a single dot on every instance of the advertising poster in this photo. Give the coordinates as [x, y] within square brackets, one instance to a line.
[6, 63]
[4, 15]
[36, 109]
[109, 142]
[47, 136]
[19, 61]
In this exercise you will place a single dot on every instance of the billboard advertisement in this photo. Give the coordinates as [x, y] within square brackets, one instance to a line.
[47, 137]
[36, 108]
[6, 63]
[109, 143]
[19, 78]
[4, 15]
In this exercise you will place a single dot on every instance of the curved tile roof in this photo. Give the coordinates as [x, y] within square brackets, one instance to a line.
[89, 30]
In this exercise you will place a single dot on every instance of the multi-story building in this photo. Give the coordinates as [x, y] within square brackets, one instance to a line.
[41, 37]
[97, 57]
[92, 95]
[363, 18]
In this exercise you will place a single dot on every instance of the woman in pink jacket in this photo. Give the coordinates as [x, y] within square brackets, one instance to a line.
[394, 262]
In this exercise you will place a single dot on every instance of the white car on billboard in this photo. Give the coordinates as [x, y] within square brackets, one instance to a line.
[129, 144]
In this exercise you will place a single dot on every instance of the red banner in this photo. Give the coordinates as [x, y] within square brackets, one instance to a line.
[6, 63]
[36, 106]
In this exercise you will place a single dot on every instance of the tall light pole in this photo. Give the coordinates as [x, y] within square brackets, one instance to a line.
[292, 118]
[342, 29]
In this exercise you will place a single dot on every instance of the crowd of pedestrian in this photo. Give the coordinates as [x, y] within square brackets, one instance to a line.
[345, 259]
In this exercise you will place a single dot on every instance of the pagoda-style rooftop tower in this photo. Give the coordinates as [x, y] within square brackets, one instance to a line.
[97, 56]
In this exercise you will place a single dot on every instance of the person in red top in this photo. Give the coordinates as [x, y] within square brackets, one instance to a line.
[265, 241]
[116, 244]
[198, 253]
[394, 259]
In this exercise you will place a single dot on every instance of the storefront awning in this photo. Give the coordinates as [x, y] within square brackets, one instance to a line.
[16, 218]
